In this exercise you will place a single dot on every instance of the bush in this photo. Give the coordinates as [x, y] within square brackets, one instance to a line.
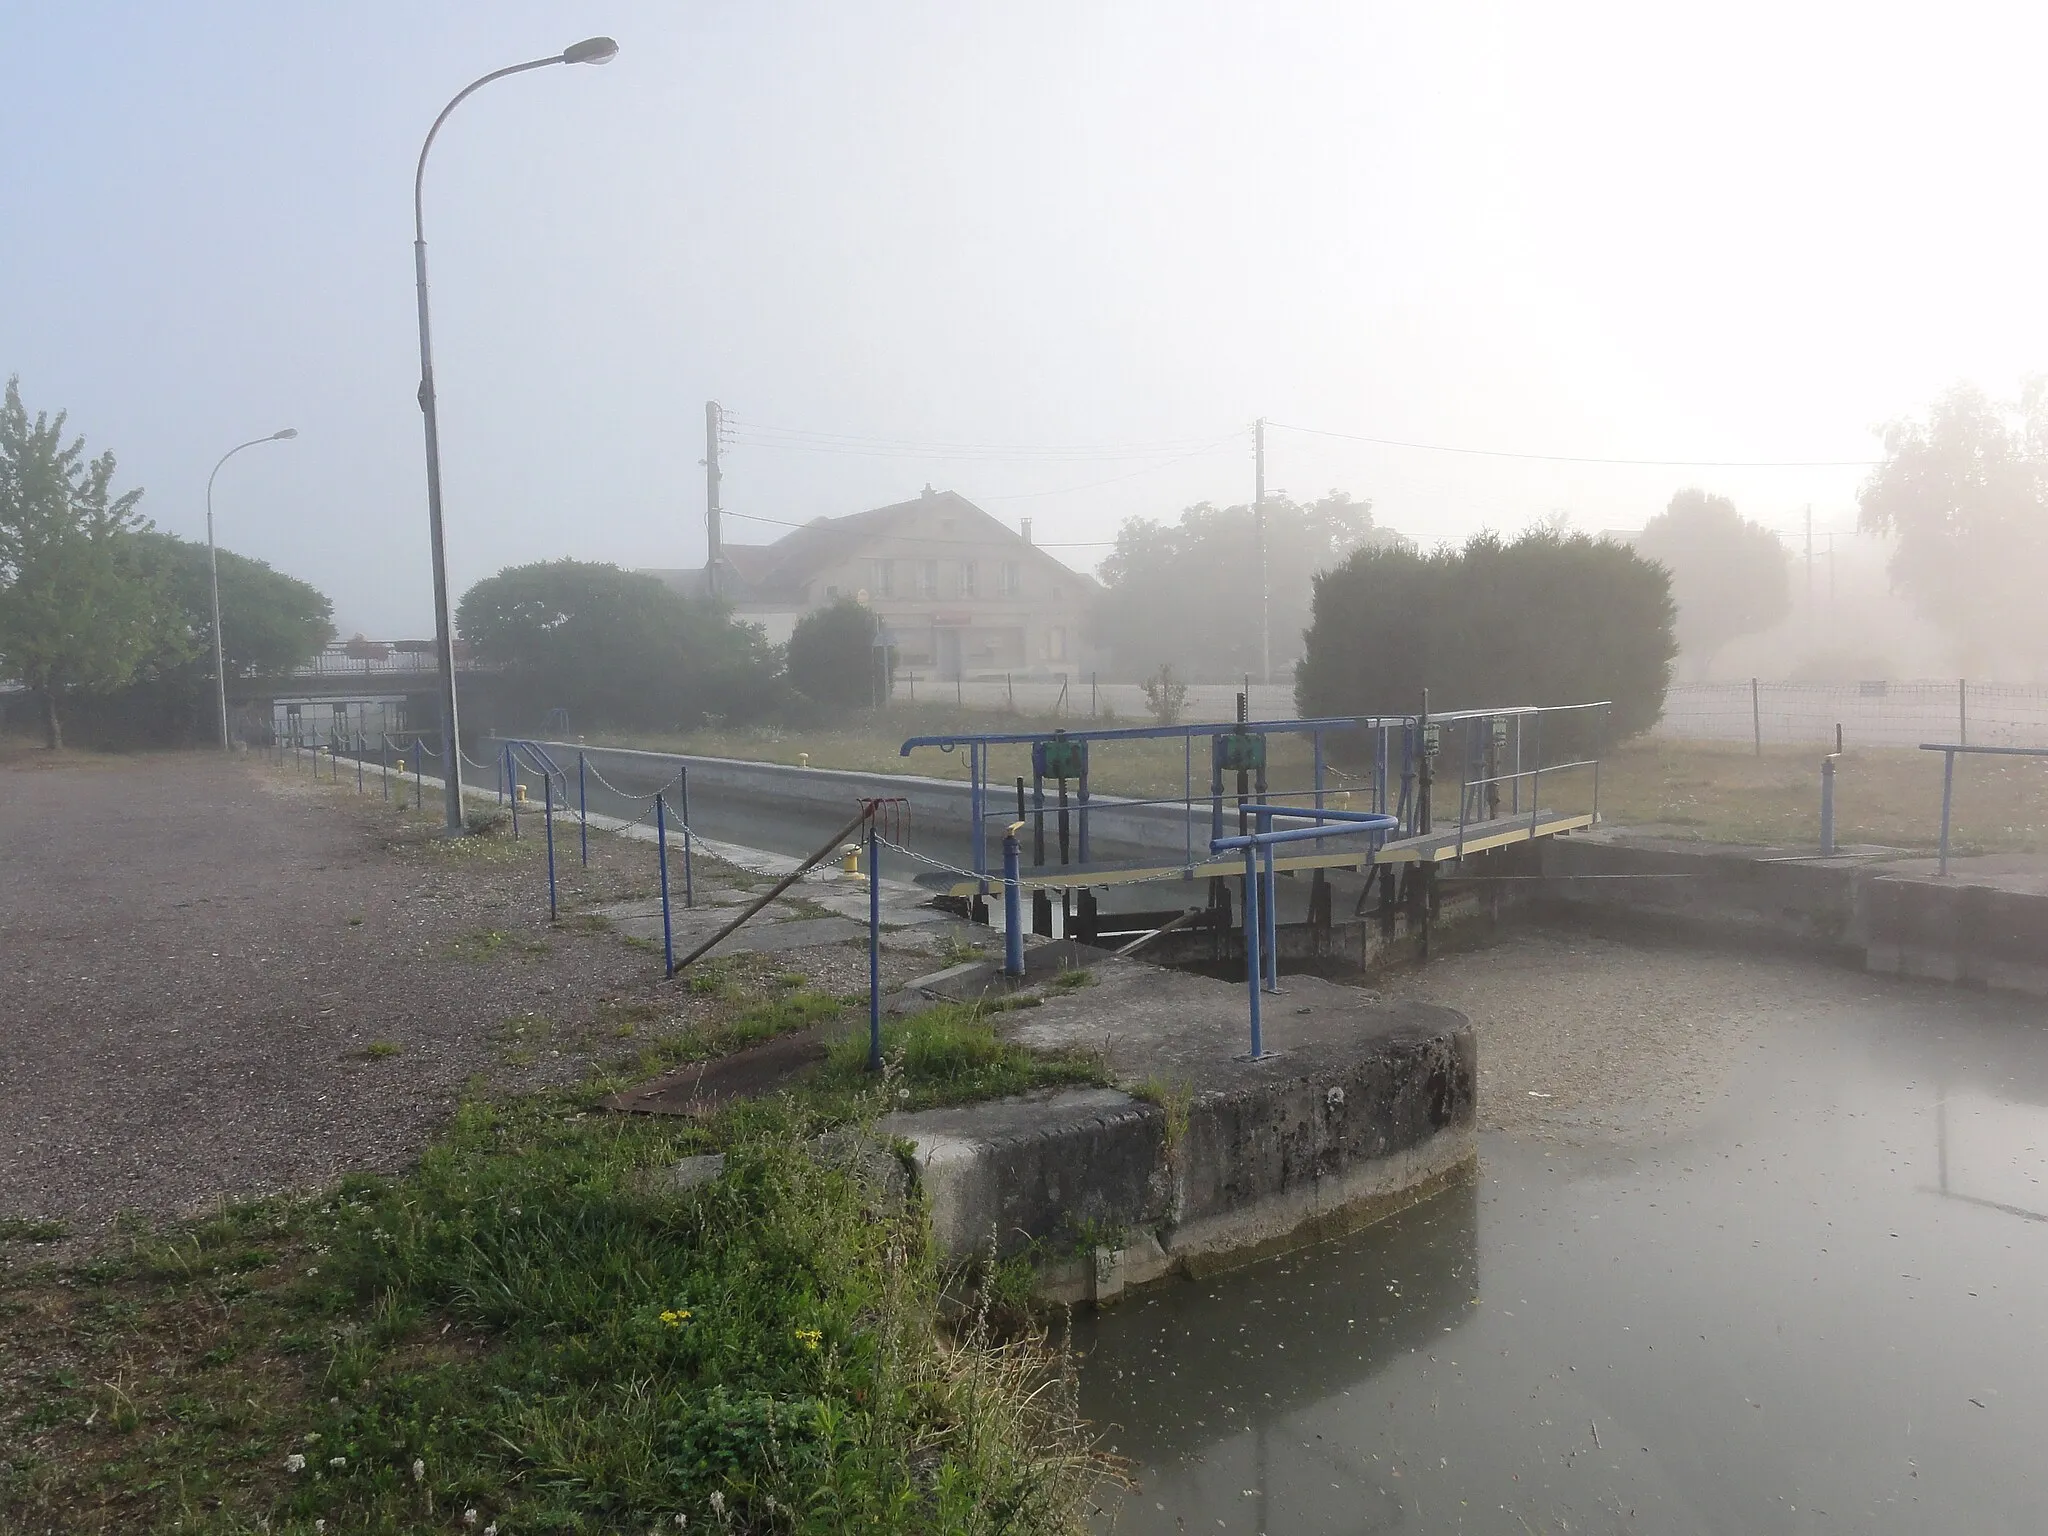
[834, 660]
[614, 647]
[1546, 619]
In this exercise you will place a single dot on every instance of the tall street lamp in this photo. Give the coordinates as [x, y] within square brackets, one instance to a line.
[220, 666]
[592, 50]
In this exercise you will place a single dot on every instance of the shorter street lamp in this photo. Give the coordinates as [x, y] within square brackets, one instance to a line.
[220, 667]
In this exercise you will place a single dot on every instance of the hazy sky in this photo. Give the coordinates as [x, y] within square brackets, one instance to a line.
[1729, 232]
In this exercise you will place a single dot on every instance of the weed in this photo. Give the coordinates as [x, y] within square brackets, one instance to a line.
[483, 944]
[31, 1229]
[950, 1055]
[1073, 977]
[1177, 1099]
[379, 1050]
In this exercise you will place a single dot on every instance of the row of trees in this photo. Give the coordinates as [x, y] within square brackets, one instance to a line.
[622, 648]
[96, 604]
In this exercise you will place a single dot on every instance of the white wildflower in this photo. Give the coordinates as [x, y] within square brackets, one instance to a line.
[337, 1461]
[419, 1470]
[717, 1502]
[469, 1517]
[295, 1462]
[491, 1529]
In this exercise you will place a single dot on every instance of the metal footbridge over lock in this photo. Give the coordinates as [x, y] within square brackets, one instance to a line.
[1500, 772]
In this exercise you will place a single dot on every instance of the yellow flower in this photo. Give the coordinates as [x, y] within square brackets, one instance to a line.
[810, 1338]
[677, 1318]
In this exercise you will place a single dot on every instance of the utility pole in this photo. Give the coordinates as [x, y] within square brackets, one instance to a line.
[1259, 525]
[714, 549]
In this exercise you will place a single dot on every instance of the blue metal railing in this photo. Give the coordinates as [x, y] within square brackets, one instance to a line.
[1261, 898]
[1949, 751]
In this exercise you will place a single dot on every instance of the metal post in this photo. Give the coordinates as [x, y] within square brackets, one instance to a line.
[1756, 716]
[362, 750]
[1948, 784]
[419, 775]
[1827, 807]
[1962, 711]
[874, 948]
[583, 809]
[1268, 909]
[668, 937]
[1251, 942]
[547, 797]
[689, 839]
[512, 786]
[1013, 903]
[384, 763]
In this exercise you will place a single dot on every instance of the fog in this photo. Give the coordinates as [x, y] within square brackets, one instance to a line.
[1124, 231]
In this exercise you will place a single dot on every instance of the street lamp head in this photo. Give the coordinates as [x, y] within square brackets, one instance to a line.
[285, 436]
[592, 50]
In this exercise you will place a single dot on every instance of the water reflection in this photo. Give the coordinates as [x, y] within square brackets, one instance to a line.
[1820, 1311]
[1206, 1389]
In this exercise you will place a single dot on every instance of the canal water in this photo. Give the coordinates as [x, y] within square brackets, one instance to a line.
[1822, 1305]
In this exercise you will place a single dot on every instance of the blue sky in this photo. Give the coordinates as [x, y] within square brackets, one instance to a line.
[1117, 230]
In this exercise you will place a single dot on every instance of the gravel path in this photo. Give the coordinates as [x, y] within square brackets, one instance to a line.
[205, 965]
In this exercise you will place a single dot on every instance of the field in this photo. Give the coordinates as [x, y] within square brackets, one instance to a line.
[1709, 791]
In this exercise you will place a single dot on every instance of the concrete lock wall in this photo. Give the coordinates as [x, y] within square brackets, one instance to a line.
[1104, 1190]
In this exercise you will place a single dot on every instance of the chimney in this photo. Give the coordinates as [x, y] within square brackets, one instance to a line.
[929, 493]
[1024, 527]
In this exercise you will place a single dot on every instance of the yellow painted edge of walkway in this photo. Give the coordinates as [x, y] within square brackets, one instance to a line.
[1407, 851]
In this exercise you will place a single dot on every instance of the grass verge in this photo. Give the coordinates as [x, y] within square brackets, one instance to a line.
[531, 1328]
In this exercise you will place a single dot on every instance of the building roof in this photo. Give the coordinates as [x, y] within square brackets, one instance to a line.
[780, 572]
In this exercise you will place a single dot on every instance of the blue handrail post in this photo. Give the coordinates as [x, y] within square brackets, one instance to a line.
[419, 774]
[1013, 903]
[977, 811]
[1252, 923]
[668, 938]
[1269, 905]
[384, 764]
[547, 794]
[362, 751]
[1948, 785]
[874, 948]
[583, 809]
[689, 839]
[512, 787]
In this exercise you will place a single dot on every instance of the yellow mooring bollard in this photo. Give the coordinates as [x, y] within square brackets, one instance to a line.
[401, 767]
[849, 861]
[521, 788]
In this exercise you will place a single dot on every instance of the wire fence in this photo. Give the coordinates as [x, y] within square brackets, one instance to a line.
[1867, 714]
[1084, 696]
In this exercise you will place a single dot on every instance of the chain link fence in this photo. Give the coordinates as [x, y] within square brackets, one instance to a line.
[1869, 714]
[1080, 696]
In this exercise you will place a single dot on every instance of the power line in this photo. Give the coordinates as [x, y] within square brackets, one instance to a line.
[1568, 458]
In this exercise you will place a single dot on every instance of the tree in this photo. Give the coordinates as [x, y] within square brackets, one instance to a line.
[81, 611]
[1965, 492]
[835, 659]
[1186, 593]
[1546, 619]
[616, 646]
[1728, 575]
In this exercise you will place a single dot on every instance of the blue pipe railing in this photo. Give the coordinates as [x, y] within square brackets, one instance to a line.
[1949, 751]
[1261, 898]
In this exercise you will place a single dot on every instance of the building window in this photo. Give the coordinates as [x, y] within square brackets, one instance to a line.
[1012, 578]
[1056, 642]
[831, 594]
[928, 579]
[882, 577]
[967, 578]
